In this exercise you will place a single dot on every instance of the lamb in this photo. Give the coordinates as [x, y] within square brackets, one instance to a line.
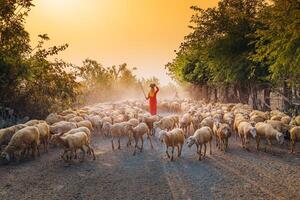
[295, 136]
[228, 119]
[201, 137]
[85, 123]
[62, 127]
[245, 130]
[138, 132]
[222, 135]
[196, 121]
[21, 141]
[264, 130]
[72, 142]
[174, 138]
[44, 131]
[7, 133]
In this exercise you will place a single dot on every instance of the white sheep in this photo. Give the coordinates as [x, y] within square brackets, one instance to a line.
[201, 137]
[138, 132]
[7, 133]
[174, 138]
[245, 130]
[21, 141]
[62, 127]
[264, 130]
[73, 142]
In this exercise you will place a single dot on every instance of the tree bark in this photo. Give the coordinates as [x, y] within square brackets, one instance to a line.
[288, 94]
[266, 102]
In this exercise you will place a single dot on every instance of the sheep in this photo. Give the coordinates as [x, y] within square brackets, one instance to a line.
[295, 136]
[107, 119]
[7, 133]
[54, 118]
[79, 129]
[208, 121]
[222, 135]
[21, 141]
[185, 123]
[237, 120]
[62, 127]
[257, 118]
[228, 119]
[196, 120]
[149, 120]
[76, 119]
[134, 122]
[117, 131]
[175, 119]
[44, 131]
[265, 130]
[201, 137]
[286, 119]
[106, 128]
[278, 125]
[34, 122]
[69, 116]
[72, 142]
[97, 123]
[85, 123]
[245, 130]
[138, 132]
[174, 138]
[166, 123]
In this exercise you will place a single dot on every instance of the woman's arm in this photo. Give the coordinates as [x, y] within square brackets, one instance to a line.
[157, 90]
[148, 96]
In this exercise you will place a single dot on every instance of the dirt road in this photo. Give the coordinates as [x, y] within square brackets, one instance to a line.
[237, 174]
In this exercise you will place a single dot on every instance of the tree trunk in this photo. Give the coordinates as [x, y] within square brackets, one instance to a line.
[267, 96]
[215, 94]
[288, 94]
[254, 97]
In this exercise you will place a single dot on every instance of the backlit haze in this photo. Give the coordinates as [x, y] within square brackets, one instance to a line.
[142, 33]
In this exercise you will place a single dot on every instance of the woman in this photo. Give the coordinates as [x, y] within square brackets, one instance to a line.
[152, 99]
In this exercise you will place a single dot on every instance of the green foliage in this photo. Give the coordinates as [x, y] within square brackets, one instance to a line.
[241, 43]
[30, 81]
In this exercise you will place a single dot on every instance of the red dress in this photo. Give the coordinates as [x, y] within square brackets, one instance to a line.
[153, 102]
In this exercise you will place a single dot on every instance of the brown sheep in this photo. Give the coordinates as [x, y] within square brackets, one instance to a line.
[222, 136]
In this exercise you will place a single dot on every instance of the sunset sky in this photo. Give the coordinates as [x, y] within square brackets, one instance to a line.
[142, 33]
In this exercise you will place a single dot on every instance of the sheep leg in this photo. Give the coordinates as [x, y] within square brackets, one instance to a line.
[210, 152]
[167, 151]
[204, 150]
[257, 143]
[172, 158]
[200, 151]
[149, 138]
[270, 144]
[135, 146]
[112, 144]
[119, 147]
[142, 144]
[83, 153]
[178, 151]
[292, 144]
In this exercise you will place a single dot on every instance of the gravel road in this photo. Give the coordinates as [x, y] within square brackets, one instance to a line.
[237, 174]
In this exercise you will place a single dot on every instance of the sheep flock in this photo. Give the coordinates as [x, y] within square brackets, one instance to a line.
[179, 123]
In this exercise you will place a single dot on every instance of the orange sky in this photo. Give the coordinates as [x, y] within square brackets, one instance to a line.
[142, 33]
